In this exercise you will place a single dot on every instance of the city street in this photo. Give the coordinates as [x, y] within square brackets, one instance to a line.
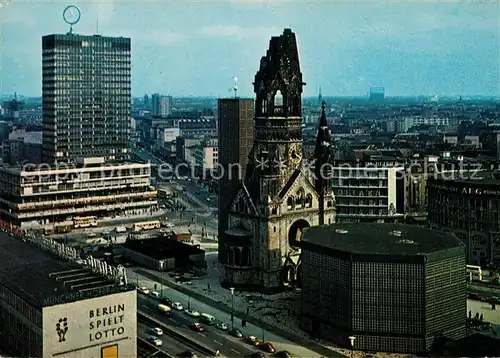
[169, 344]
[280, 343]
[212, 338]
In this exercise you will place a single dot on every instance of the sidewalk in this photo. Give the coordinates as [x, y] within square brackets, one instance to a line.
[281, 339]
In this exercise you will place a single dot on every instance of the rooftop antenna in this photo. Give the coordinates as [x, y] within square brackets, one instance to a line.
[235, 87]
[71, 16]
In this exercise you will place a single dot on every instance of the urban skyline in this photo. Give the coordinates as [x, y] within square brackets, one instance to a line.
[445, 49]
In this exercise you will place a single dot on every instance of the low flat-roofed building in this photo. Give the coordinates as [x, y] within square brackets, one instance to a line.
[55, 305]
[163, 253]
[393, 287]
[35, 196]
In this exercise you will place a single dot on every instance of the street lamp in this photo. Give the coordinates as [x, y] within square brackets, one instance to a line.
[232, 308]
[352, 339]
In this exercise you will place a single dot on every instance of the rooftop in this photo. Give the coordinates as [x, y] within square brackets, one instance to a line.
[36, 275]
[161, 248]
[380, 239]
[484, 178]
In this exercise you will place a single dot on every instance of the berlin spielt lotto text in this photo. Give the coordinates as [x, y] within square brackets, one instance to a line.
[343, 171]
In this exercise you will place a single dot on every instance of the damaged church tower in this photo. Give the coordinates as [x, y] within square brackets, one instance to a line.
[280, 195]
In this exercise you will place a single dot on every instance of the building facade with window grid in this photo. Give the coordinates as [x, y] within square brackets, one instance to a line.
[469, 208]
[393, 287]
[369, 191]
[86, 89]
[52, 197]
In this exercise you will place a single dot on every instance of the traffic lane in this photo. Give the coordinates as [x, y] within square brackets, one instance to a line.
[169, 344]
[212, 338]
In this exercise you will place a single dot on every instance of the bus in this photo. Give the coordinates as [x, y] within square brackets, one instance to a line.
[148, 225]
[207, 319]
[474, 273]
[84, 221]
[164, 309]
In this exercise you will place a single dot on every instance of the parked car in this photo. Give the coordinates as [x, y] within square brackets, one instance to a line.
[222, 326]
[192, 313]
[267, 347]
[254, 341]
[177, 306]
[198, 327]
[155, 295]
[155, 341]
[236, 333]
[143, 290]
[157, 331]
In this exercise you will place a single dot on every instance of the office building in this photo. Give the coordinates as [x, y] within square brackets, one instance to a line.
[86, 97]
[468, 206]
[161, 105]
[60, 195]
[235, 127]
[394, 288]
[444, 123]
[377, 93]
[369, 191]
[53, 304]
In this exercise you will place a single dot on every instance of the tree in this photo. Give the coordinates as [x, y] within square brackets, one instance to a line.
[481, 317]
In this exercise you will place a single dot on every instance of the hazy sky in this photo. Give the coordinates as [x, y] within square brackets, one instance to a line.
[189, 48]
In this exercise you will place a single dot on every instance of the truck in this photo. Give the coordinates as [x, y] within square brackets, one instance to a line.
[121, 229]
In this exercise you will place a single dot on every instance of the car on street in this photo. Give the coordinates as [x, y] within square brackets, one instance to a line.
[236, 333]
[155, 295]
[143, 290]
[166, 301]
[192, 313]
[494, 299]
[252, 340]
[198, 327]
[157, 331]
[177, 306]
[155, 341]
[222, 326]
[267, 347]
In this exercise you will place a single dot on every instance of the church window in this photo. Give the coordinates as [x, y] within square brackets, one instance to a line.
[329, 204]
[329, 220]
[278, 99]
[309, 200]
[278, 103]
[300, 198]
[264, 106]
[274, 229]
[274, 211]
[291, 105]
[289, 203]
[274, 254]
